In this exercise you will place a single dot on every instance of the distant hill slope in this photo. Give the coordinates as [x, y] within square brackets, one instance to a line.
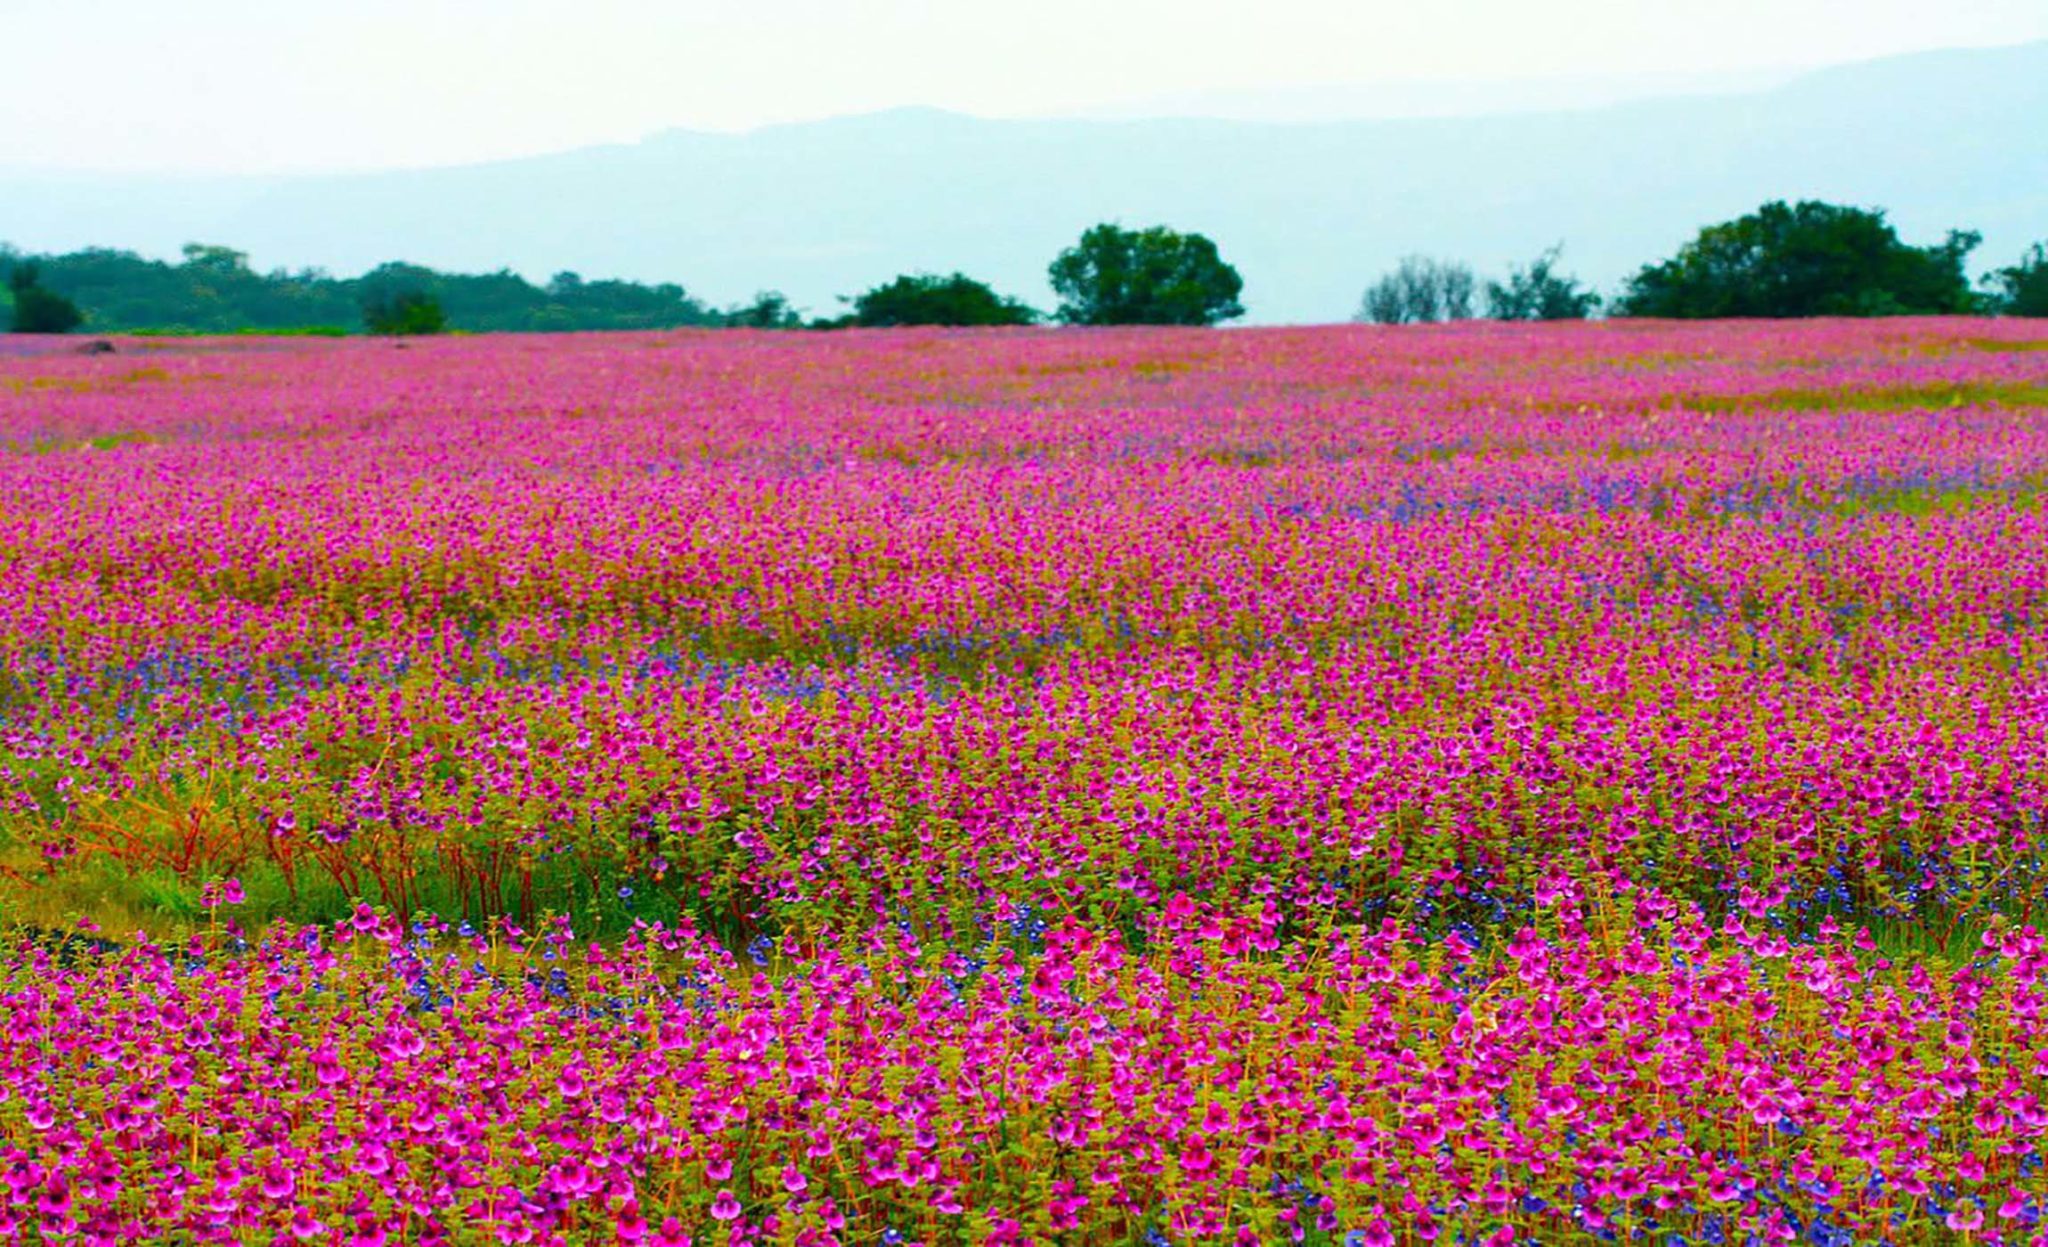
[1309, 212]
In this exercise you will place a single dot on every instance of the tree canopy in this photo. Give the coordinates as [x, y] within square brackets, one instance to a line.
[37, 309]
[1804, 259]
[928, 299]
[404, 312]
[1155, 276]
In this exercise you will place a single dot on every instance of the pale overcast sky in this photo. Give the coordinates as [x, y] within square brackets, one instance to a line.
[282, 84]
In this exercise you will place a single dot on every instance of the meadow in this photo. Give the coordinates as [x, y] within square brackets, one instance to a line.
[1449, 785]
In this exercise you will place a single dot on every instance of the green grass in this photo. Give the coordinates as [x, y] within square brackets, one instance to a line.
[1915, 397]
[1920, 500]
[1931, 941]
[57, 445]
[2006, 346]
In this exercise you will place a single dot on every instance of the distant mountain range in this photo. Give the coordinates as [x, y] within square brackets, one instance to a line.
[1310, 213]
[1430, 97]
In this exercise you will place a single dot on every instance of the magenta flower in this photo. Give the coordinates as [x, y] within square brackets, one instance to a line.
[669, 1234]
[1355, 784]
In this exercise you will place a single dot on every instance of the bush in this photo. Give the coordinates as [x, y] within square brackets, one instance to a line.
[1540, 292]
[928, 299]
[405, 314]
[36, 309]
[1156, 276]
[1806, 259]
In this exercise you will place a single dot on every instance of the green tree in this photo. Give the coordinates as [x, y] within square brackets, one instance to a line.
[1540, 292]
[1156, 276]
[2022, 289]
[1804, 259]
[769, 310]
[38, 309]
[928, 299]
[404, 313]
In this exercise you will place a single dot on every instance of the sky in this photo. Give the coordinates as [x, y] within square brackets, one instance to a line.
[285, 85]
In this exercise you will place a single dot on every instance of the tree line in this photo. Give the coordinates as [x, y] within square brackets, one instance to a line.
[1783, 260]
[214, 289]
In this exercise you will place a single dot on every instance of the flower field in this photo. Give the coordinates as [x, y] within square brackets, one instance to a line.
[1477, 784]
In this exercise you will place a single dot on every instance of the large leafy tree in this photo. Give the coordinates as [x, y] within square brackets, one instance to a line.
[38, 309]
[928, 299]
[1804, 259]
[1155, 276]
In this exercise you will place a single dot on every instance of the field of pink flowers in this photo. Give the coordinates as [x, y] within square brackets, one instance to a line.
[1458, 785]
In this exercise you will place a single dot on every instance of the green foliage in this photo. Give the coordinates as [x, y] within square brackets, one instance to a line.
[769, 310]
[404, 300]
[214, 290]
[1540, 292]
[1156, 276]
[572, 302]
[2021, 289]
[404, 313]
[1806, 259]
[928, 299]
[1419, 291]
[36, 308]
[217, 262]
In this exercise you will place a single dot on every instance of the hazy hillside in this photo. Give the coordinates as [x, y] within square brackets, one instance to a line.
[1309, 213]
